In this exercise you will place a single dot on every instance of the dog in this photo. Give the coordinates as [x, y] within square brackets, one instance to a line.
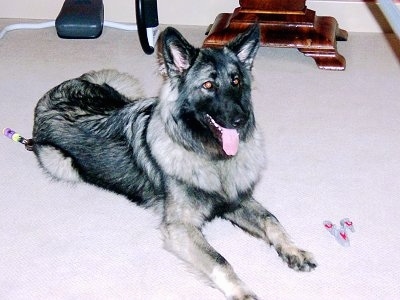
[193, 153]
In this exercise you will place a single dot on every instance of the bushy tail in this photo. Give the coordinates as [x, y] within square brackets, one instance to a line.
[124, 83]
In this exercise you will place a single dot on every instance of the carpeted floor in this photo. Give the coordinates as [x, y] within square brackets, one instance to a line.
[333, 148]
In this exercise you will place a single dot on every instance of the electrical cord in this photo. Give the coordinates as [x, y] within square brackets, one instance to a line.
[26, 26]
[128, 27]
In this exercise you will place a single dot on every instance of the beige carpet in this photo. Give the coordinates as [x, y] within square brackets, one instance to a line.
[333, 148]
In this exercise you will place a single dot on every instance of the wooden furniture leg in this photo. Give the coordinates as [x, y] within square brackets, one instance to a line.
[284, 23]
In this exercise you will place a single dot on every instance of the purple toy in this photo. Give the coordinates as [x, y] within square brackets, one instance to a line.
[16, 137]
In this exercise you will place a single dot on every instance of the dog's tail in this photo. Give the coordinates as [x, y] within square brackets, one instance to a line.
[123, 83]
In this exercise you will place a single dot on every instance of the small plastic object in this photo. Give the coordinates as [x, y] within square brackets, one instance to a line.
[340, 233]
[16, 137]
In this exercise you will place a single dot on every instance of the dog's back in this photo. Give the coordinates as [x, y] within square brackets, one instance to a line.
[81, 129]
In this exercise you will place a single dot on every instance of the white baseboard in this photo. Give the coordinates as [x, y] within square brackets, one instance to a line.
[355, 16]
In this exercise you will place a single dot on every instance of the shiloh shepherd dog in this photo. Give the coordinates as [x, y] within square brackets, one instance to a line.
[193, 153]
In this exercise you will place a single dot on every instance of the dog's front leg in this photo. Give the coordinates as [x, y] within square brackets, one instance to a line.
[188, 243]
[253, 218]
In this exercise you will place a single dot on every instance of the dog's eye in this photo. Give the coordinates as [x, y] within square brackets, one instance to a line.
[208, 85]
[236, 81]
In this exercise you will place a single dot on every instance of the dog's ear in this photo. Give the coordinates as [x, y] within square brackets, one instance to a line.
[177, 55]
[246, 44]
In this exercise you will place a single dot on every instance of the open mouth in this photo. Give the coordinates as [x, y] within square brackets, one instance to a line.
[229, 138]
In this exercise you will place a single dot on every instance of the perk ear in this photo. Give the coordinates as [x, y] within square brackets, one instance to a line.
[246, 44]
[177, 54]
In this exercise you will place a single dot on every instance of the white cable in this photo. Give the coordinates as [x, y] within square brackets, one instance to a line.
[26, 26]
[131, 27]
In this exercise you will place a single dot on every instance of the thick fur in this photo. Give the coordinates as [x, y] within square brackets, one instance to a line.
[165, 152]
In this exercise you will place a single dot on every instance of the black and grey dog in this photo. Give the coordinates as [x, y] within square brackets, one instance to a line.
[194, 153]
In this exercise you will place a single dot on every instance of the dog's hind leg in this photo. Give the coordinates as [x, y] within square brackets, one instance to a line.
[188, 243]
[56, 163]
[253, 218]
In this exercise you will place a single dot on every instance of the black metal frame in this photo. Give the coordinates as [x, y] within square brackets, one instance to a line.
[146, 18]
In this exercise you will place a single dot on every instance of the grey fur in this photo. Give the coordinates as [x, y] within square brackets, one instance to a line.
[165, 153]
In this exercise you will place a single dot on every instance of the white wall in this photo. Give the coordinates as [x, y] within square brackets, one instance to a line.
[170, 11]
[351, 15]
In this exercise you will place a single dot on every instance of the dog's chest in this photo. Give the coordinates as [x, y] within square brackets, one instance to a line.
[228, 178]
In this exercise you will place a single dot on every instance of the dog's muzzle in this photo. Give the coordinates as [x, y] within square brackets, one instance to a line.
[229, 138]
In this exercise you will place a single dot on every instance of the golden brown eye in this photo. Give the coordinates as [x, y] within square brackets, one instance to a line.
[208, 85]
[235, 81]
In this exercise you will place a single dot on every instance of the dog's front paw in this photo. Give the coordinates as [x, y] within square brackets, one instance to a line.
[297, 259]
[244, 297]
[241, 293]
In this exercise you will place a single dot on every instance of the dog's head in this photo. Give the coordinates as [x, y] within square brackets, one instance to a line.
[211, 107]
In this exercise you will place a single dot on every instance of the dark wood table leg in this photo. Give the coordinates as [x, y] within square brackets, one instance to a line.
[284, 24]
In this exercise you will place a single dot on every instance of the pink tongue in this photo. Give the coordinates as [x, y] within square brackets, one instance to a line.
[230, 140]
